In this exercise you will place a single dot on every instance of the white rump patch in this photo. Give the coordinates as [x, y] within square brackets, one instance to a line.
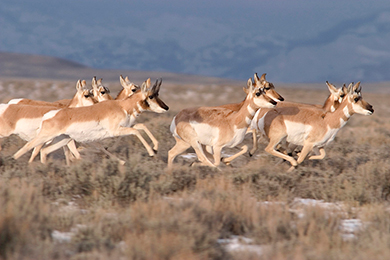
[3, 107]
[15, 101]
[172, 128]
[27, 128]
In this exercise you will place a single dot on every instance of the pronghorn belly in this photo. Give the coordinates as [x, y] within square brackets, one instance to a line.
[328, 137]
[206, 134]
[297, 133]
[88, 131]
[238, 137]
[27, 128]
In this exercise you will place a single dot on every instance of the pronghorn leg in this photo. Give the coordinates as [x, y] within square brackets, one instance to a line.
[55, 146]
[35, 153]
[100, 147]
[146, 130]
[204, 161]
[320, 156]
[208, 151]
[228, 160]
[68, 155]
[132, 131]
[179, 147]
[307, 148]
[255, 142]
[271, 150]
[40, 139]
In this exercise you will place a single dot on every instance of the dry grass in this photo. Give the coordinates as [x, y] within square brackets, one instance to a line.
[96, 209]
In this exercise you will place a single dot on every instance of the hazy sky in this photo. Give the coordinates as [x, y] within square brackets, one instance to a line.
[199, 37]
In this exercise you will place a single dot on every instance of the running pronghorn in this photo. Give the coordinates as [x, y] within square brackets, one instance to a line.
[308, 127]
[331, 103]
[216, 127]
[128, 89]
[100, 93]
[106, 119]
[24, 120]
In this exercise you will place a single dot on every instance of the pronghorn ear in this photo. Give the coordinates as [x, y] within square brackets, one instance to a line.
[262, 79]
[79, 87]
[245, 90]
[331, 87]
[249, 85]
[99, 82]
[122, 80]
[83, 83]
[145, 88]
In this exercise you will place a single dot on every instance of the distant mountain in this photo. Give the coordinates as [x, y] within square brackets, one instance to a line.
[349, 50]
[17, 65]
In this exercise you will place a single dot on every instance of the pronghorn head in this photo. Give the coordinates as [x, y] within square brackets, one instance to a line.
[83, 97]
[129, 88]
[356, 102]
[99, 91]
[258, 95]
[268, 87]
[150, 97]
[336, 96]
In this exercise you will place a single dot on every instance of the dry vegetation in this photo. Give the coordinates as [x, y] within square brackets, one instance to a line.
[96, 209]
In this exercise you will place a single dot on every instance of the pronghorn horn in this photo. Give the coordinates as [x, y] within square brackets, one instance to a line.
[357, 88]
[256, 78]
[158, 86]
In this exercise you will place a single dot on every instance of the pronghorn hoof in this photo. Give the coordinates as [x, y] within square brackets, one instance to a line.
[155, 151]
[292, 168]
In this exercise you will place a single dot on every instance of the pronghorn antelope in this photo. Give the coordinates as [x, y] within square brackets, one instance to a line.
[24, 120]
[310, 128]
[331, 103]
[269, 90]
[216, 127]
[100, 93]
[106, 119]
[128, 89]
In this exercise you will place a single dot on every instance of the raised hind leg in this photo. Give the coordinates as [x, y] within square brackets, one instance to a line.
[319, 156]
[179, 147]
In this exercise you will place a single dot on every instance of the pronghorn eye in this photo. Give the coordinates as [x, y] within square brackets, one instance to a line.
[356, 99]
[102, 92]
[258, 93]
[86, 96]
[150, 97]
[342, 95]
[134, 90]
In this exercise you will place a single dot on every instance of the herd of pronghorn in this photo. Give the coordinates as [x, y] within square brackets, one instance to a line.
[92, 115]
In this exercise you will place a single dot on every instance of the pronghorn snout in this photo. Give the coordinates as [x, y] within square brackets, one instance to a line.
[273, 102]
[370, 108]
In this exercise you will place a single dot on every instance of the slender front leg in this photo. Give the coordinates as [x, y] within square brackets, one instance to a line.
[33, 143]
[35, 153]
[132, 131]
[228, 160]
[146, 130]
[51, 148]
[255, 142]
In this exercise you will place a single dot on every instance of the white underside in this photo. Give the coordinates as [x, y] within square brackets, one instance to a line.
[206, 134]
[27, 129]
[89, 131]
